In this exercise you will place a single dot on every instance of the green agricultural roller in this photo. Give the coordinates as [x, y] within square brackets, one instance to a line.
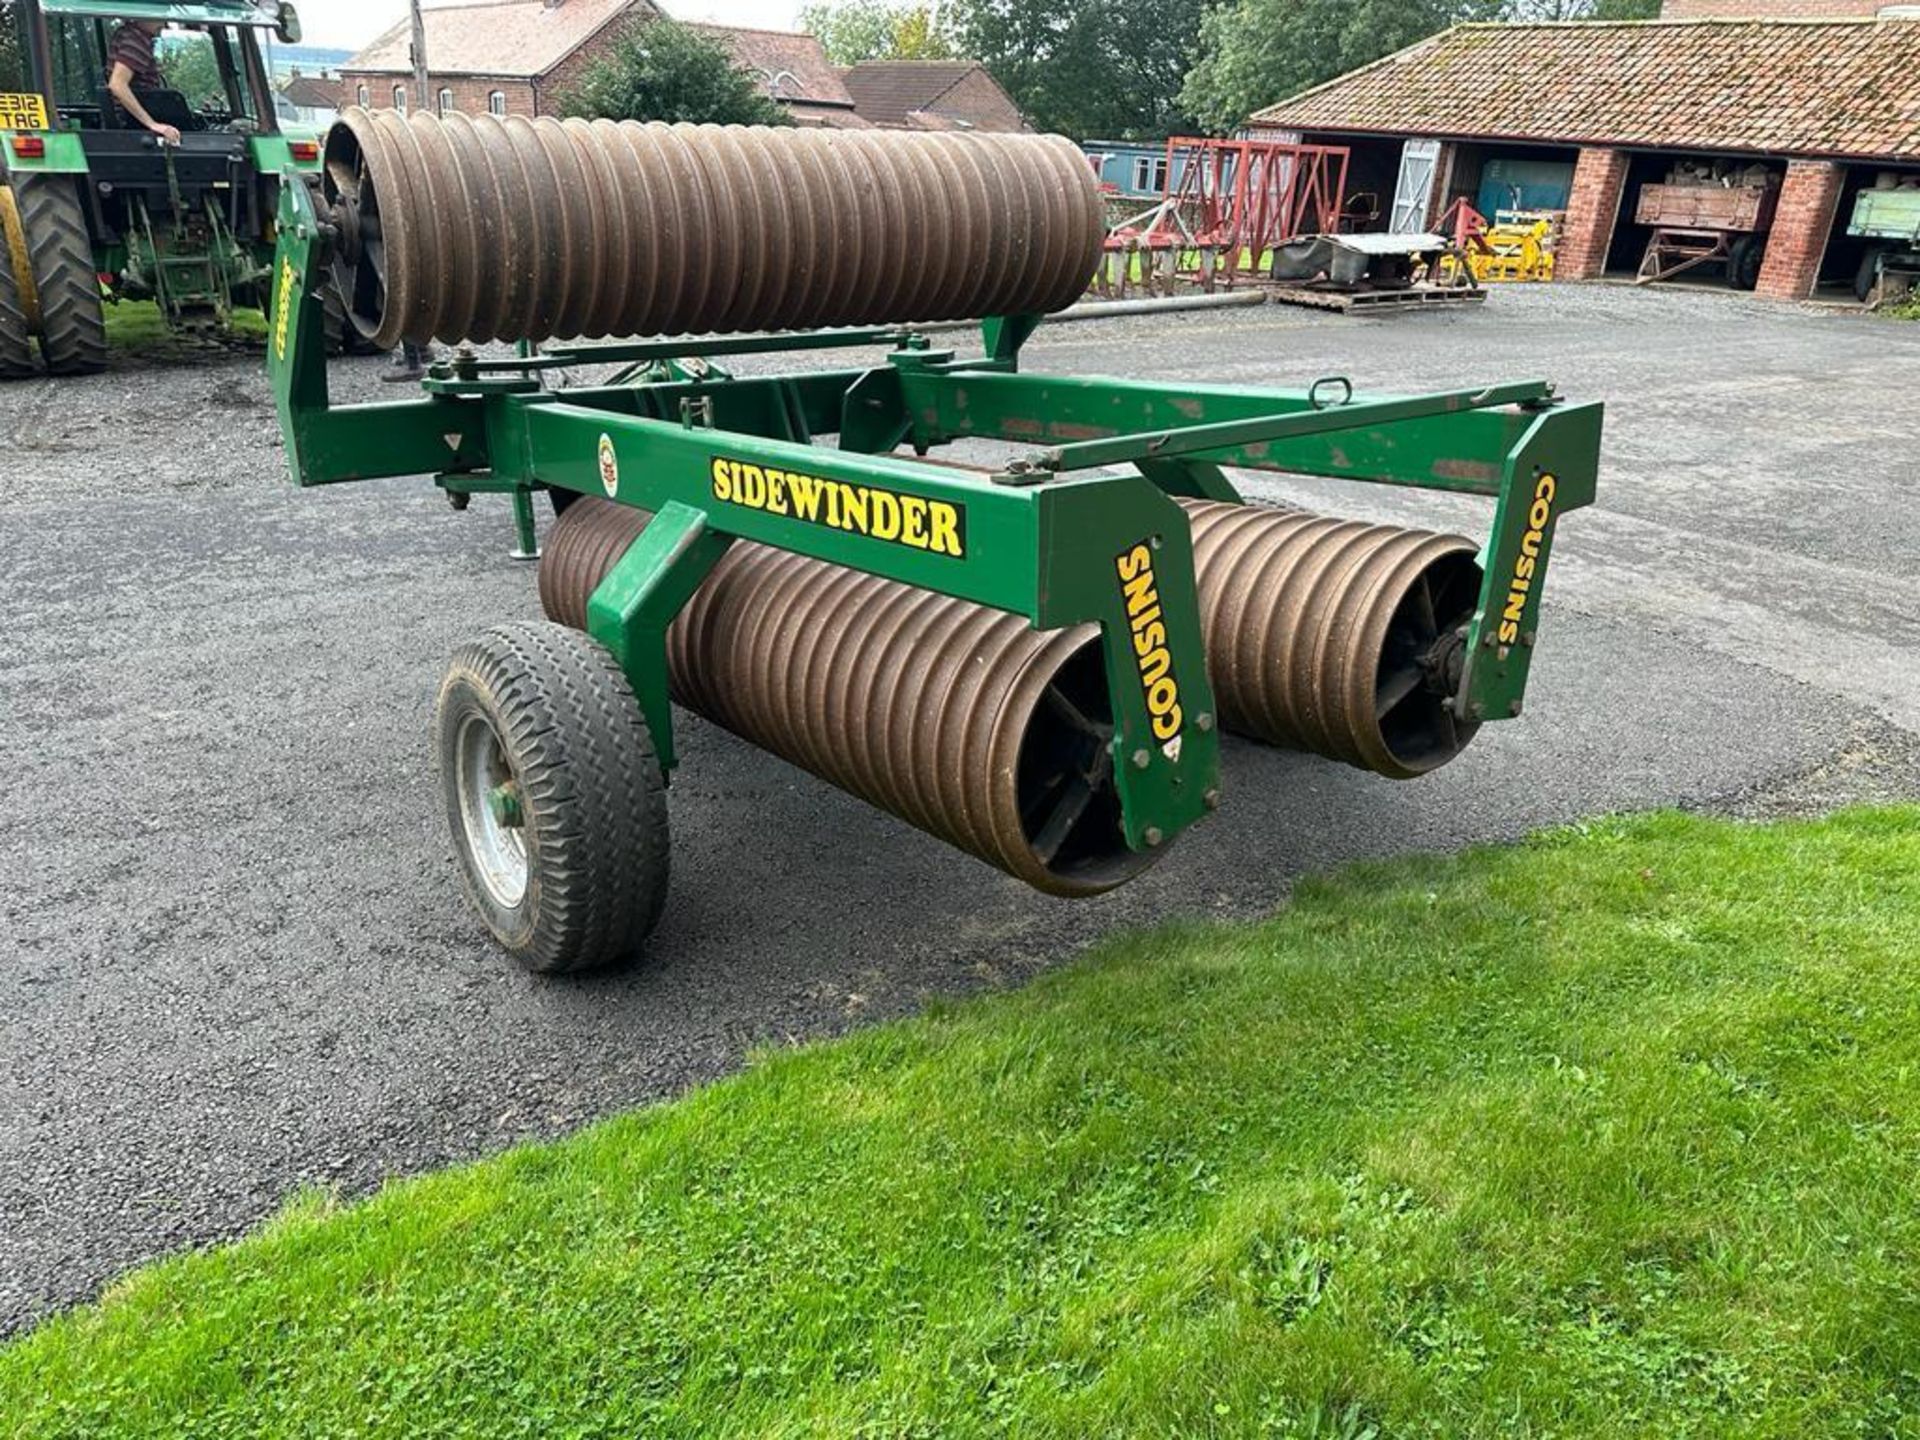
[1032, 658]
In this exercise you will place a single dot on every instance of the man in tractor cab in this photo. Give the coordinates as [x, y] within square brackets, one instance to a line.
[131, 67]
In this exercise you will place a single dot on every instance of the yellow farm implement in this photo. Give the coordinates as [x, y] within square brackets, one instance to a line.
[1516, 245]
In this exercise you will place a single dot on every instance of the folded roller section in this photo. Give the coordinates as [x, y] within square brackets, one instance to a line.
[473, 227]
[1335, 636]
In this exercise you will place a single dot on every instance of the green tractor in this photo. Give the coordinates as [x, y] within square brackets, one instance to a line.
[95, 208]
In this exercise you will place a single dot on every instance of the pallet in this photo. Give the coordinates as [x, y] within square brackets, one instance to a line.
[1346, 301]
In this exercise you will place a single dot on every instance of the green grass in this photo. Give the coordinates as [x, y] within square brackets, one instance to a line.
[136, 327]
[1611, 1133]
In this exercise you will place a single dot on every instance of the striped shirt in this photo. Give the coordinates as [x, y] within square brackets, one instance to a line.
[133, 47]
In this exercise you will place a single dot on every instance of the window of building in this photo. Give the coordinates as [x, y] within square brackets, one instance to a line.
[497, 102]
[365, 97]
[446, 101]
[1150, 175]
[400, 98]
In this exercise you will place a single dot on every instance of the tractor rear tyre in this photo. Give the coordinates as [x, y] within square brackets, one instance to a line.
[16, 343]
[73, 329]
[1743, 261]
[554, 795]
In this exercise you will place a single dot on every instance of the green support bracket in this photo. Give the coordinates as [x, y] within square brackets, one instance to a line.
[873, 417]
[325, 443]
[1117, 552]
[519, 492]
[1005, 334]
[524, 531]
[1552, 470]
[1194, 479]
[632, 607]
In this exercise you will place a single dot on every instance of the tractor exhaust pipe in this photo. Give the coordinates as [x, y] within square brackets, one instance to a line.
[960, 719]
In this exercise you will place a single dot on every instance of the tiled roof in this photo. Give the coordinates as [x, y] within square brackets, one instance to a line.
[792, 65]
[313, 92]
[828, 117]
[921, 94]
[1832, 87]
[496, 37]
[887, 91]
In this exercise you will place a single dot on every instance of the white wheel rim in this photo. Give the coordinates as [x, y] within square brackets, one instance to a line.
[498, 850]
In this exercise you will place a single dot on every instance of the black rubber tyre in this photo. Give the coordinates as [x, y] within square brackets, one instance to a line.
[546, 711]
[1868, 275]
[16, 344]
[73, 329]
[1744, 257]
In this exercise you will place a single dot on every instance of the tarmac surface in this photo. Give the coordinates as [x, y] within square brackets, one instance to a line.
[234, 958]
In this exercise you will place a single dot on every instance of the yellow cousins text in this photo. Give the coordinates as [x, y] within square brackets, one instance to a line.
[283, 310]
[1149, 629]
[1520, 584]
[912, 520]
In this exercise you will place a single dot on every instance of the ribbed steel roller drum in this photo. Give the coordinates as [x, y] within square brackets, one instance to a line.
[1335, 636]
[480, 228]
[957, 718]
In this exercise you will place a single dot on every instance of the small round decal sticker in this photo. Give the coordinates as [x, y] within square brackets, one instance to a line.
[609, 466]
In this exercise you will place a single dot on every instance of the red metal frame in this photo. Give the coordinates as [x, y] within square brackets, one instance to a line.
[1244, 197]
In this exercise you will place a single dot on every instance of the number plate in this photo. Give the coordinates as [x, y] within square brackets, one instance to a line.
[23, 112]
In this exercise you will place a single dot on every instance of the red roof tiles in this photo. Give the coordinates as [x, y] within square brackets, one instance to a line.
[1846, 88]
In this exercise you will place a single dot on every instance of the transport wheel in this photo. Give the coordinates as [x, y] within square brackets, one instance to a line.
[554, 795]
[16, 345]
[1743, 261]
[73, 330]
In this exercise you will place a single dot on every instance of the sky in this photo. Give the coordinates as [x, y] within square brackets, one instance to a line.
[349, 24]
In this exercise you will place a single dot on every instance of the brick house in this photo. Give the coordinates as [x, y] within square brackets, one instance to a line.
[1577, 117]
[517, 57]
[313, 99]
[931, 95]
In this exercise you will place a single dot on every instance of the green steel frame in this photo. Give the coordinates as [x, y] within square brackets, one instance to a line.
[1041, 538]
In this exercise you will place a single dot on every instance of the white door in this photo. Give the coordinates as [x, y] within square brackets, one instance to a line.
[1418, 160]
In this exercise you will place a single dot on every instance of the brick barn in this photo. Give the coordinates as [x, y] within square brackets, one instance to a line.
[516, 57]
[1579, 116]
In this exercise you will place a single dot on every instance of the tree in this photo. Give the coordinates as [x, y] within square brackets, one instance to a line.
[1101, 69]
[1258, 52]
[854, 30]
[13, 64]
[1582, 10]
[188, 65]
[660, 70]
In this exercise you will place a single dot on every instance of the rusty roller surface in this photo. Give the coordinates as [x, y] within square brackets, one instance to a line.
[1335, 636]
[957, 718]
[472, 227]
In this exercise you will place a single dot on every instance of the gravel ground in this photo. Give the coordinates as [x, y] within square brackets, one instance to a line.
[233, 956]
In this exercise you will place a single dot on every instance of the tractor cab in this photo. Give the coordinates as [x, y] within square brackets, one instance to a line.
[189, 226]
[217, 79]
